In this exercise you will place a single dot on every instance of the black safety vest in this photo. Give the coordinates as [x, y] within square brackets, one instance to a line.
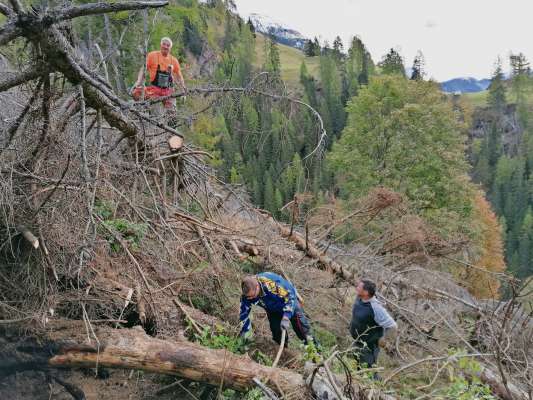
[163, 79]
[363, 326]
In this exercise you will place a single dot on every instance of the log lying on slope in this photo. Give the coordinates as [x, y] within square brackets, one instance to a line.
[134, 349]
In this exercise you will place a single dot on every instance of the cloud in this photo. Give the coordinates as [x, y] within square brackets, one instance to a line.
[430, 24]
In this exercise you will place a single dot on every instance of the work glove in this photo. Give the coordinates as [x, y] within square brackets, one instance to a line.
[382, 342]
[285, 322]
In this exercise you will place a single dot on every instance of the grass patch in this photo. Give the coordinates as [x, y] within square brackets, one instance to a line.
[291, 60]
[478, 99]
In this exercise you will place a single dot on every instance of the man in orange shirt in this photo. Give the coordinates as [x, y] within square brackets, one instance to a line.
[164, 71]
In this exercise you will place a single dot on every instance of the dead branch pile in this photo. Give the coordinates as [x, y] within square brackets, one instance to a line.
[102, 230]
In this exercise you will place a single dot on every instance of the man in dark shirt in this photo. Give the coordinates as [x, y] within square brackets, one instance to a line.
[371, 324]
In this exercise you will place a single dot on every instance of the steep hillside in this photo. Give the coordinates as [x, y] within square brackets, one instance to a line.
[291, 60]
[126, 229]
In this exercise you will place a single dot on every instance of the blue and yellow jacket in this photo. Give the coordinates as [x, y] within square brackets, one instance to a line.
[277, 295]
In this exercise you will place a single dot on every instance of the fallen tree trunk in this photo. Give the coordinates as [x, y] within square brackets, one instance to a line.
[134, 349]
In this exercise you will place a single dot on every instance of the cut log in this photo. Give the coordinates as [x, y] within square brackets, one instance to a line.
[133, 349]
[29, 236]
[175, 143]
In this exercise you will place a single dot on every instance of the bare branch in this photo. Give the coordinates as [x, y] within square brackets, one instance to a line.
[5, 10]
[15, 79]
[16, 6]
[102, 8]
[8, 32]
[13, 127]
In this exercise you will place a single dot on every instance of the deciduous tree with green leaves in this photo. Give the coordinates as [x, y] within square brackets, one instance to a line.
[404, 135]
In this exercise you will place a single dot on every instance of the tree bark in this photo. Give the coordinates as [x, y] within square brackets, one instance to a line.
[102, 8]
[133, 349]
[14, 79]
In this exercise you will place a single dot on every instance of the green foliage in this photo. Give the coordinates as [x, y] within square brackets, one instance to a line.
[272, 57]
[332, 108]
[312, 48]
[249, 267]
[403, 135]
[326, 339]
[131, 232]
[392, 64]
[262, 358]
[311, 353]
[253, 394]
[418, 67]
[466, 388]
[497, 90]
[520, 70]
[104, 209]
[219, 339]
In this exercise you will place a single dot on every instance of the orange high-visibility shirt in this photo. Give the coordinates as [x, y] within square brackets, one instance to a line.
[155, 58]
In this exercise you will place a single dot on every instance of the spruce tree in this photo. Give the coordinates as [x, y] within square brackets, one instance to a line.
[269, 200]
[273, 61]
[338, 48]
[392, 64]
[520, 71]
[497, 97]
[251, 27]
[419, 64]
[311, 48]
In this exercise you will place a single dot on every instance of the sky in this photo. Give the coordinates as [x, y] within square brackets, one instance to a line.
[459, 38]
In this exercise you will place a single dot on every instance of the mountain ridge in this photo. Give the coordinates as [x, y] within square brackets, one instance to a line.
[278, 31]
[465, 85]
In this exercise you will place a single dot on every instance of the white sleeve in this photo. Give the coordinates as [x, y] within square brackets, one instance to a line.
[382, 317]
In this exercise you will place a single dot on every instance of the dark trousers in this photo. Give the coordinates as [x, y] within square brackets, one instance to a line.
[299, 323]
[366, 354]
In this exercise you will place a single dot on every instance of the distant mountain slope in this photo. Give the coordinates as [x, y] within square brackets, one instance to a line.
[291, 61]
[281, 34]
[465, 85]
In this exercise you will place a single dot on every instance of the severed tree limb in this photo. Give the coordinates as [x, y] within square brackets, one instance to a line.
[10, 80]
[29, 236]
[133, 349]
[58, 15]
[9, 32]
[5, 10]
[16, 6]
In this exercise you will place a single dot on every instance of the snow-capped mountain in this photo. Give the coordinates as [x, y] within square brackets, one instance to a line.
[465, 85]
[277, 31]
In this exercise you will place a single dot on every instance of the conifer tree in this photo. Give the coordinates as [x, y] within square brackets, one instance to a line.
[497, 97]
[269, 200]
[251, 27]
[419, 64]
[311, 48]
[392, 64]
[272, 59]
[338, 48]
[520, 71]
